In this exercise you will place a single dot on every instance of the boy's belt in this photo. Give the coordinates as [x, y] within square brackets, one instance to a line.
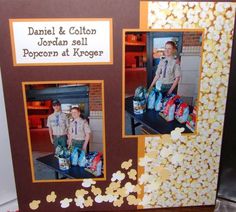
[169, 84]
[58, 136]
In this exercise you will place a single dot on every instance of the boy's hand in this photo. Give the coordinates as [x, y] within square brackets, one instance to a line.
[68, 143]
[84, 148]
[149, 89]
[169, 92]
[177, 61]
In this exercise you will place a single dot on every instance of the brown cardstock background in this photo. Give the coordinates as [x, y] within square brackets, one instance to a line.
[125, 14]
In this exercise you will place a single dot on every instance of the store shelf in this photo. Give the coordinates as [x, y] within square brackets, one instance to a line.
[38, 116]
[135, 60]
[38, 107]
[135, 43]
[138, 69]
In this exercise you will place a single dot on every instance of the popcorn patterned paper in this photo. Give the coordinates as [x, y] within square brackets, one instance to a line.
[34, 205]
[65, 203]
[51, 197]
[121, 189]
[182, 170]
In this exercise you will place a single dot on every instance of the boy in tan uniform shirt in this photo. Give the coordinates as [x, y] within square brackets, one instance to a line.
[58, 124]
[168, 71]
[79, 131]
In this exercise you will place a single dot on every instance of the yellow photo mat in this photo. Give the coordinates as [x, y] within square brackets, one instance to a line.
[28, 129]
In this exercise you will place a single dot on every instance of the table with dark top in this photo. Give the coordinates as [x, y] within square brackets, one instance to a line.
[151, 120]
[75, 172]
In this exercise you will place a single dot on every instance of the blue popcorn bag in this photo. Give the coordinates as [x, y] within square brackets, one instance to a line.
[75, 156]
[158, 102]
[151, 99]
[82, 159]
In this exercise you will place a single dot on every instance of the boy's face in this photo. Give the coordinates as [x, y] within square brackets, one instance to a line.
[57, 108]
[169, 50]
[75, 114]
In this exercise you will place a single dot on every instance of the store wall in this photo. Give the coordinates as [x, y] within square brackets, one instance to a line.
[95, 118]
[191, 39]
[190, 71]
[7, 188]
[190, 66]
[95, 94]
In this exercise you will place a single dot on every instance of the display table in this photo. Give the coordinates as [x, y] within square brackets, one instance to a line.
[151, 120]
[75, 172]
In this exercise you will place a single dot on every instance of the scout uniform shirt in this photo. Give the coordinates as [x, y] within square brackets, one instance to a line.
[79, 128]
[168, 70]
[59, 123]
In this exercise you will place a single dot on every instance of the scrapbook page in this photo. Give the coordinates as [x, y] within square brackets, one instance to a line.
[110, 109]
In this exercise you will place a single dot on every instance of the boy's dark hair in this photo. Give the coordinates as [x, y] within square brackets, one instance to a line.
[172, 43]
[56, 102]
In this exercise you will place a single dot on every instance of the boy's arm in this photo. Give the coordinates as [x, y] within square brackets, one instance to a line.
[69, 132]
[157, 76]
[177, 77]
[87, 131]
[87, 137]
[69, 140]
[50, 130]
[154, 82]
[50, 134]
